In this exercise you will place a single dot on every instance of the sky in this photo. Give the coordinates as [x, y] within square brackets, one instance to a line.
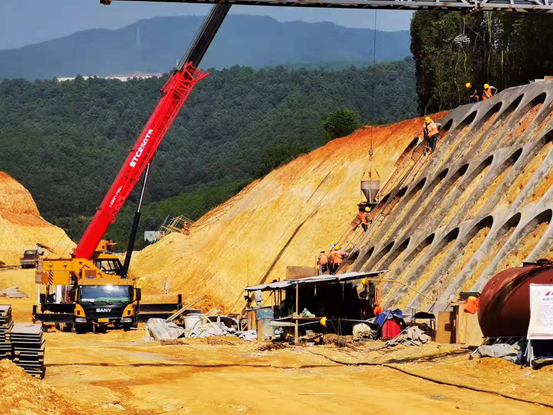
[24, 22]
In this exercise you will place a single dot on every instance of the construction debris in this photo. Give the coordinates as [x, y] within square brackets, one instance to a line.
[363, 331]
[13, 292]
[411, 336]
[162, 330]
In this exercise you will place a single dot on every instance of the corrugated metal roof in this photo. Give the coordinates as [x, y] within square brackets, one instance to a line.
[320, 279]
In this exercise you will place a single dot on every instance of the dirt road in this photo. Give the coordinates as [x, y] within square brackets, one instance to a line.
[119, 372]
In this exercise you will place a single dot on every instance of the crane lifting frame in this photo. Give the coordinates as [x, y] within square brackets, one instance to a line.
[468, 6]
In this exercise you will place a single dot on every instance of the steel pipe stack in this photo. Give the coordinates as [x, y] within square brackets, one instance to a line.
[6, 324]
[28, 348]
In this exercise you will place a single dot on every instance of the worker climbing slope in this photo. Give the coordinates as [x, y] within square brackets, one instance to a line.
[337, 258]
[431, 133]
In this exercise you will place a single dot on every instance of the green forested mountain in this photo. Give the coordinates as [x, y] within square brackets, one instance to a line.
[502, 49]
[66, 141]
[154, 45]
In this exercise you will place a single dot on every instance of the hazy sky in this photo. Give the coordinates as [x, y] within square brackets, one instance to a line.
[23, 22]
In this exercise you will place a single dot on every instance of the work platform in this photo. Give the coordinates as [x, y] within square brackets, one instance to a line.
[517, 6]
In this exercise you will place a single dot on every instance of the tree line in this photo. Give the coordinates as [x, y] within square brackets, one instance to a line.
[65, 141]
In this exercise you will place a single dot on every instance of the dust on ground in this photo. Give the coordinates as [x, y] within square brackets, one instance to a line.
[119, 372]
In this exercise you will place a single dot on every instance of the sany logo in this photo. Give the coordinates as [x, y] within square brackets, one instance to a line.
[141, 148]
[103, 310]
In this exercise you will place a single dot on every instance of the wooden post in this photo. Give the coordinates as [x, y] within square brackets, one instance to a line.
[297, 329]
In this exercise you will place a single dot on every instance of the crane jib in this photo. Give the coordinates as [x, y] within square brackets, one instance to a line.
[173, 96]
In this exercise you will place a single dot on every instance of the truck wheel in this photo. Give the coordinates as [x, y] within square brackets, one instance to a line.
[80, 328]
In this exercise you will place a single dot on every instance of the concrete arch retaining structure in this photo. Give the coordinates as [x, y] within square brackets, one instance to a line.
[491, 143]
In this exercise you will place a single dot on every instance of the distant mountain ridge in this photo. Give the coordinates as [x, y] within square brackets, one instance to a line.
[154, 45]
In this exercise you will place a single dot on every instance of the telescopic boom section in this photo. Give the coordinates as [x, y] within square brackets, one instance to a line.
[173, 96]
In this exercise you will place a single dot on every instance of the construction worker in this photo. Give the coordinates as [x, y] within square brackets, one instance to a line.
[337, 257]
[488, 92]
[364, 217]
[476, 90]
[431, 133]
[322, 263]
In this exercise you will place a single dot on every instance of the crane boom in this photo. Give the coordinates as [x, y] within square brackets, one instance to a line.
[173, 96]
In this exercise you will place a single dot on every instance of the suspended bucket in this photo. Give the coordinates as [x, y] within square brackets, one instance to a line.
[370, 189]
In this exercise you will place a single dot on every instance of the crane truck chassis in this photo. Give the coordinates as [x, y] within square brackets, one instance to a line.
[93, 296]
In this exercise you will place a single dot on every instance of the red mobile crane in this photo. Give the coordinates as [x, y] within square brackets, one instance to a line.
[91, 288]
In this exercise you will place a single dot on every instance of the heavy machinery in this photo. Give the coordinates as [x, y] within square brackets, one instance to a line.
[91, 289]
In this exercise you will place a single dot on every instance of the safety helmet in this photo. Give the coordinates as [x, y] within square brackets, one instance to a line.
[336, 247]
[428, 119]
[367, 209]
[468, 85]
[486, 86]
[323, 322]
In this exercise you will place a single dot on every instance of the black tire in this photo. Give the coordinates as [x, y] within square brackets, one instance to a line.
[81, 328]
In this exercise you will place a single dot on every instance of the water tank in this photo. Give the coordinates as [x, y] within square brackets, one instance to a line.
[505, 300]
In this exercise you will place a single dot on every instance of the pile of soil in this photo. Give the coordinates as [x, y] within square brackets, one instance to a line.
[23, 394]
[22, 227]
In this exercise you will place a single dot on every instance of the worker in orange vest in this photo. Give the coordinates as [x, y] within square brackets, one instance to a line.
[322, 262]
[431, 133]
[472, 305]
[337, 257]
[364, 217]
[489, 92]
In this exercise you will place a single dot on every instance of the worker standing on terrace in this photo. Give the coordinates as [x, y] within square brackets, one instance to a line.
[322, 263]
[488, 92]
[477, 91]
[364, 218]
[337, 258]
[431, 133]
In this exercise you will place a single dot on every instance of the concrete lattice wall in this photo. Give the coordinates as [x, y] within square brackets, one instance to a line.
[480, 204]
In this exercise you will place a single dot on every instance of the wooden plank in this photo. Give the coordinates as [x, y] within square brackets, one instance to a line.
[294, 273]
[445, 329]
[475, 337]
[460, 324]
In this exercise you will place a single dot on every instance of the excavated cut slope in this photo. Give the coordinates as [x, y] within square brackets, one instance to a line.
[484, 204]
[21, 225]
[284, 219]
[447, 222]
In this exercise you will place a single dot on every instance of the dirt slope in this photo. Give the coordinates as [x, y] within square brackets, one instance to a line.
[283, 219]
[21, 225]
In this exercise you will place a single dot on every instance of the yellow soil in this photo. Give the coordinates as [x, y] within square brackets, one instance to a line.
[284, 219]
[475, 209]
[526, 175]
[23, 394]
[520, 126]
[464, 196]
[494, 132]
[523, 248]
[465, 255]
[542, 188]
[434, 263]
[118, 372]
[479, 269]
[21, 225]
[445, 198]
[404, 210]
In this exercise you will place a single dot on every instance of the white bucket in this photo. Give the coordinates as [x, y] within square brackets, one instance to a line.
[192, 321]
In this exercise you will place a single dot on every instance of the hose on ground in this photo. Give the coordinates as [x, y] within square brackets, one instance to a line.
[433, 380]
